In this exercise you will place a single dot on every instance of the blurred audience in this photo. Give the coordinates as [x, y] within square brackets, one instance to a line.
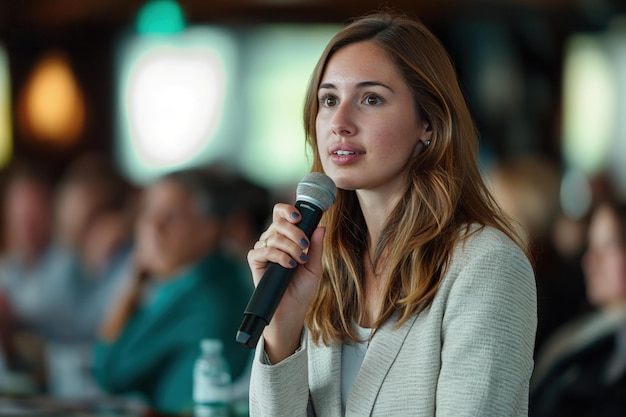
[79, 255]
[27, 214]
[93, 228]
[527, 188]
[25, 294]
[62, 248]
[93, 236]
[581, 370]
[181, 289]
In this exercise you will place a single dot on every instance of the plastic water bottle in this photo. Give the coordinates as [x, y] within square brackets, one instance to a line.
[211, 381]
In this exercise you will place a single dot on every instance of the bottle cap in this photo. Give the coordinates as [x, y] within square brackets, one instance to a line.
[211, 345]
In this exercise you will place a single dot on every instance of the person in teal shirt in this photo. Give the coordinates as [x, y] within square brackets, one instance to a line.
[182, 289]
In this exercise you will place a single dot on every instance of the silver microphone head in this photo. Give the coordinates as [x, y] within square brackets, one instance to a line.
[317, 188]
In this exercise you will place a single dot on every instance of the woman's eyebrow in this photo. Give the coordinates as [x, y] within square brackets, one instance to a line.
[359, 85]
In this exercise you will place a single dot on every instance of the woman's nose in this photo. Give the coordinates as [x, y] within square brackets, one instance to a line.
[343, 123]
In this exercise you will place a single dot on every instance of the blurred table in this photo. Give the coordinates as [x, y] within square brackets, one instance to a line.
[11, 406]
[48, 407]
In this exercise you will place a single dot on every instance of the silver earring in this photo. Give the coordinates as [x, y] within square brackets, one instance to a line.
[426, 143]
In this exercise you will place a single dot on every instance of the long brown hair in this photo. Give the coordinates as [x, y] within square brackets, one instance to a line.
[445, 195]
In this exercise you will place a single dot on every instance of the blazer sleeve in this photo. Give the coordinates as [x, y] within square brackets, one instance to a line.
[281, 389]
[488, 333]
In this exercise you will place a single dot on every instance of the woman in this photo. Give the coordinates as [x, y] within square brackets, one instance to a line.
[581, 371]
[415, 297]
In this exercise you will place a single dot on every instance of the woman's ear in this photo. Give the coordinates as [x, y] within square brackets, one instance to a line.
[424, 140]
[420, 146]
[427, 131]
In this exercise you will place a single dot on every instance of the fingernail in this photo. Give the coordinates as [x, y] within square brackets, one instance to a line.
[292, 263]
[303, 257]
[304, 243]
[295, 215]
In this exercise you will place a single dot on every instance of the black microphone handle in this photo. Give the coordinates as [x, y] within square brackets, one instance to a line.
[273, 283]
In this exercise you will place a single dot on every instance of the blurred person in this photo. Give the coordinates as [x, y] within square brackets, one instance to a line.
[27, 211]
[527, 187]
[581, 370]
[27, 296]
[90, 247]
[181, 290]
[90, 185]
[48, 276]
[415, 295]
[93, 227]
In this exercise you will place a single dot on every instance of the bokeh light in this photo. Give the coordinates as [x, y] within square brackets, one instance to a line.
[283, 58]
[6, 144]
[160, 16]
[171, 96]
[52, 104]
[588, 105]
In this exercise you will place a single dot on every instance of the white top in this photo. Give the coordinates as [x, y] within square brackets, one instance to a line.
[352, 356]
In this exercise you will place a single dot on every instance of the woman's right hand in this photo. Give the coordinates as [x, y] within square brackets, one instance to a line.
[285, 244]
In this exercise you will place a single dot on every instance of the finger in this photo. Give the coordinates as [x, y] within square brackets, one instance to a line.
[283, 215]
[258, 259]
[287, 212]
[283, 242]
[314, 264]
[283, 228]
[262, 242]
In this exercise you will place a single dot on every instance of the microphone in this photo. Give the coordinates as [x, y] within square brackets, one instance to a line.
[314, 195]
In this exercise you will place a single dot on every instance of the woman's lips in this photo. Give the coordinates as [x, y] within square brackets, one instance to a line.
[345, 154]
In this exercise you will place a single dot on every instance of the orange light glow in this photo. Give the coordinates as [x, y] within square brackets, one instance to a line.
[52, 106]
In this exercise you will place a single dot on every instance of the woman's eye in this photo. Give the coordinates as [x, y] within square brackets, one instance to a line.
[373, 100]
[328, 101]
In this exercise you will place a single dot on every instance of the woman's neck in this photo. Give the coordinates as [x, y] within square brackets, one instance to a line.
[376, 209]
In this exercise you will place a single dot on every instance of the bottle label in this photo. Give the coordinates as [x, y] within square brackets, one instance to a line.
[205, 392]
[211, 410]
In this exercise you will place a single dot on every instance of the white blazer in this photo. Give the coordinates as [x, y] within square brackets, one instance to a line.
[469, 354]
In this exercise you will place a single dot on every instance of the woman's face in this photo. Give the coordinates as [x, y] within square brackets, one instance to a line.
[367, 126]
[604, 262]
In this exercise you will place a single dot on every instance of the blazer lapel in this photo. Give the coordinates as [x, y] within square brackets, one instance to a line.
[380, 355]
